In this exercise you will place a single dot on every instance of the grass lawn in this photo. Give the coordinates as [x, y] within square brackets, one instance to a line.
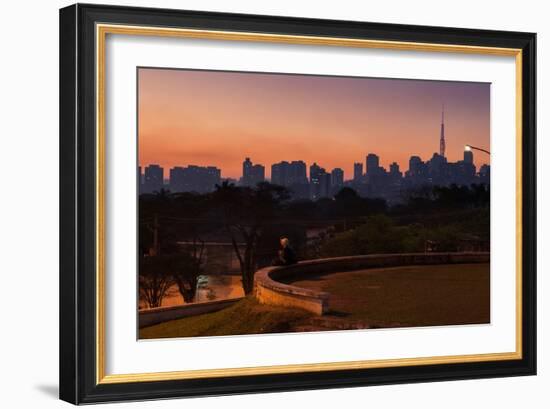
[244, 317]
[409, 296]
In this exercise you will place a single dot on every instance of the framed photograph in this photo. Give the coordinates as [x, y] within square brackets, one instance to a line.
[257, 203]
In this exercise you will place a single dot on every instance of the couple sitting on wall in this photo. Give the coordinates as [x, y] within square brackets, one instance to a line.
[286, 255]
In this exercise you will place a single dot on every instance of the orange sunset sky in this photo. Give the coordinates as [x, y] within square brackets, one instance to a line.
[218, 118]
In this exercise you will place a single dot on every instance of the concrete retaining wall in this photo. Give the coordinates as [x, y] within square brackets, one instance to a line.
[162, 314]
[268, 290]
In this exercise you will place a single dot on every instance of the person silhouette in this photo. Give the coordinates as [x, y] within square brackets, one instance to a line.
[286, 255]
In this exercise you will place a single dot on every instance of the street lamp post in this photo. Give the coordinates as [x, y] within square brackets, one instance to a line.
[470, 147]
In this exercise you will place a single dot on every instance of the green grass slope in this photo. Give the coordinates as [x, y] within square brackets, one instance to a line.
[245, 317]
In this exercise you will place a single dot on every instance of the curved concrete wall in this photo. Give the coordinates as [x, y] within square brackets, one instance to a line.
[154, 316]
[270, 291]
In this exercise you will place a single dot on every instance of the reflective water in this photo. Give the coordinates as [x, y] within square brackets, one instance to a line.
[210, 288]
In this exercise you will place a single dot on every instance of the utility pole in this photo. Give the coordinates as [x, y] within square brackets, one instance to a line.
[156, 244]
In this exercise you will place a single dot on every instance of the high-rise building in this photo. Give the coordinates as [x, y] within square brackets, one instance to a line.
[337, 178]
[213, 177]
[314, 172]
[297, 173]
[417, 173]
[293, 176]
[357, 171]
[252, 174]
[325, 187]
[279, 173]
[153, 179]
[319, 181]
[437, 169]
[199, 179]
[177, 179]
[247, 165]
[289, 173]
[394, 170]
[485, 174]
[373, 164]
[415, 166]
[468, 169]
[257, 174]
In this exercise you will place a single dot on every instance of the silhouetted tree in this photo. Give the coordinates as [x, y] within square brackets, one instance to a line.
[244, 212]
[154, 280]
[377, 236]
[348, 204]
[185, 269]
[158, 273]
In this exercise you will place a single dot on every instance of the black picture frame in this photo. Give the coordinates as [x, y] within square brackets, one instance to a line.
[78, 257]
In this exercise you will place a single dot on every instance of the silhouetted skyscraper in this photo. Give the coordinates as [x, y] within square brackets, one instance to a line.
[177, 179]
[485, 174]
[337, 178]
[199, 179]
[252, 174]
[319, 181]
[297, 173]
[357, 171]
[437, 169]
[325, 184]
[289, 174]
[415, 166]
[394, 170]
[247, 164]
[293, 176]
[373, 164]
[257, 174]
[279, 173]
[153, 179]
[468, 169]
[314, 172]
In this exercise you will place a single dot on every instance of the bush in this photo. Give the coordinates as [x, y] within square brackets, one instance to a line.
[378, 235]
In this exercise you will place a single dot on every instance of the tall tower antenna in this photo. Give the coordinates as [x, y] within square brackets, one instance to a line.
[442, 136]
